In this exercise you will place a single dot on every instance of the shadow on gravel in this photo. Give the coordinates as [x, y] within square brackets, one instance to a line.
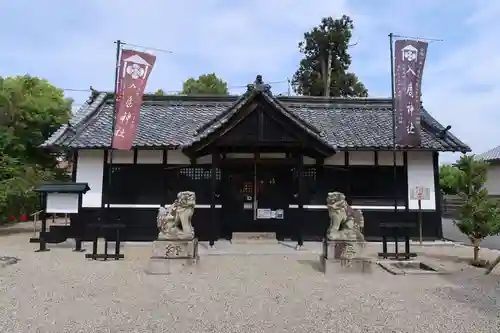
[7, 261]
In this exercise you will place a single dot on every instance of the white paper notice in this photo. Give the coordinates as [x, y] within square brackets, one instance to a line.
[263, 213]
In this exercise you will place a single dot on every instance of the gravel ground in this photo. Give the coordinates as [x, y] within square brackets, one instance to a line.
[61, 291]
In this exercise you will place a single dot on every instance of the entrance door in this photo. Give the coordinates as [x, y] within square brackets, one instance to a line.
[255, 198]
[274, 194]
[237, 197]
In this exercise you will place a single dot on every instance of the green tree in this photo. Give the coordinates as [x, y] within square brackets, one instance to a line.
[30, 110]
[159, 92]
[326, 61]
[449, 178]
[479, 216]
[206, 84]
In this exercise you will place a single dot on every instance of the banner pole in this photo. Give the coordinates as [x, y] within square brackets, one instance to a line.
[393, 104]
[115, 111]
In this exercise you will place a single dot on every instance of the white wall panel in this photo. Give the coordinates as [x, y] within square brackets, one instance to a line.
[493, 181]
[387, 158]
[177, 157]
[149, 156]
[122, 156]
[362, 158]
[207, 159]
[90, 169]
[337, 159]
[421, 173]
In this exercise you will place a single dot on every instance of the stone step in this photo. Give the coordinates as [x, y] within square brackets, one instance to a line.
[244, 237]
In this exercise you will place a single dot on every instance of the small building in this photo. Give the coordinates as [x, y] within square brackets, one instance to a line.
[492, 156]
[257, 163]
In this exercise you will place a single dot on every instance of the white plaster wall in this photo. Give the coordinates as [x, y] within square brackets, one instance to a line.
[177, 157]
[493, 181]
[122, 156]
[337, 159]
[421, 173]
[387, 158]
[360, 158]
[239, 155]
[90, 169]
[149, 156]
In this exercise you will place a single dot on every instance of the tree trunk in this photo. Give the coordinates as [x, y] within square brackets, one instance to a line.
[475, 243]
[328, 74]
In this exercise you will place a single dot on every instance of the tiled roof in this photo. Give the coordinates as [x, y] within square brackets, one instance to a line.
[226, 115]
[490, 155]
[173, 121]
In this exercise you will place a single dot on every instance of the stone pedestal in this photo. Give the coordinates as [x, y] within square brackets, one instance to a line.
[344, 257]
[172, 255]
[339, 266]
[342, 249]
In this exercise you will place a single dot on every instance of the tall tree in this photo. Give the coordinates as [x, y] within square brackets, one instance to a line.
[206, 84]
[30, 110]
[326, 61]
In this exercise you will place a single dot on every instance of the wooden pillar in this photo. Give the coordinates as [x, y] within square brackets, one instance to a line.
[300, 199]
[405, 190]
[348, 193]
[165, 179]
[105, 183]
[214, 227]
[320, 180]
[437, 189]
[43, 229]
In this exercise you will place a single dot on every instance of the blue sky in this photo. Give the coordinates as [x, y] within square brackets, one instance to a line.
[70, 43]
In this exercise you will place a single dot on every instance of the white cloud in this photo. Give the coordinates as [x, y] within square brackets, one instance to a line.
[73, 46]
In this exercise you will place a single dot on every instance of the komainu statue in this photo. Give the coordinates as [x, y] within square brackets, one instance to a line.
[174, 222]
[346, 223]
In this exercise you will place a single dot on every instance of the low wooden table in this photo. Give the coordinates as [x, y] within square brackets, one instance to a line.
[100, 230]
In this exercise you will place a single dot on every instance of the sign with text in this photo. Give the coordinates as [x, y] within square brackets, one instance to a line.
[264, 213]
[135, 68]
[420, 193]
[409, 62]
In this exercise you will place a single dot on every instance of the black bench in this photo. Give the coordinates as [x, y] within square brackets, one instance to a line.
[106, 230]
[396, 230]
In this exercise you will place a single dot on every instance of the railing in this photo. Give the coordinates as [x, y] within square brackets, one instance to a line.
[36, 215]
[35, 218]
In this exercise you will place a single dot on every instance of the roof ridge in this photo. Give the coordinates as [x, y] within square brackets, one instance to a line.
[337, 99]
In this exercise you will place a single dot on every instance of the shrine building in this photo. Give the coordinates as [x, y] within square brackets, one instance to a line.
[257, 163]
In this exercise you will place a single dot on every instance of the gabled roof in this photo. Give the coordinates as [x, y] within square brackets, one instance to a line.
[226, 116]
[180, 121]
[490, 155]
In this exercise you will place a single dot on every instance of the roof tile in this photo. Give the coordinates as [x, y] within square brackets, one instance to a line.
[174, 121]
